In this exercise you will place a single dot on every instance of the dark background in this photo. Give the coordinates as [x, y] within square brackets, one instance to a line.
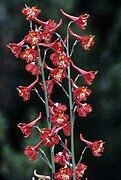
[105, 120]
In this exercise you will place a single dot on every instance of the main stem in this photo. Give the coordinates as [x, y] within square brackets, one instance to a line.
[71, 108]
[47, 109]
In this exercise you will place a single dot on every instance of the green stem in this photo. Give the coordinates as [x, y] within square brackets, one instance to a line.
[71, 109]
[46, 106]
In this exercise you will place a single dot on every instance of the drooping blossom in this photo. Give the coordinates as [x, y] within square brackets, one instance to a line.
[56, 46]
[32, 152]
[24, 91]
[59, 119]
[33, 38]
[80, 21]
[57, 107]
[64, 174]
[63, 157]
[49, 137]
[34, 68]
[88, 75]
[60, 60]
[49, 27]
[49, 86]
[81, 93]
[67, 129]
[80, 169]
[26, 128]
[86, 41]
[29, 55]
[16, 48]
[58, 74]
[31, 13]
[83, 108]
[96, 146]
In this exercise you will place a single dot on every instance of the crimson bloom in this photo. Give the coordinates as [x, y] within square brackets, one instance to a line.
[33, 38]
[96, 146]
[24, 91]
[83, 109]
[29, 55]
[56, 46]
[31, 13]
[63, 157]
[58, 74]
[80, 169]
[26, 128]
[81, 93]
[49, 137]
[86, 41]
[32, 152]
[64, 174]
[60, 60]
[59, 119]
[57, 107]
[16, 48]
[33, 68]
[49, 27]
[67, 129]
[81, 21]
[49, 86]
[88, 76]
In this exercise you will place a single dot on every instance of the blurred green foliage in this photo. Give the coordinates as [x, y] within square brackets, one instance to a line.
[105, 120]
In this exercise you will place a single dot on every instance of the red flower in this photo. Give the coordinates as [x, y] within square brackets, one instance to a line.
[58, 74]
[56, 46]
[63, 157]
[80, 170]
[26, 128]
[33, 68]
[49, 86]
[49, 25]
[81, 93]
[81, 21]
[57, 107]
[88, 76]
[60, 60]
[48, 29]
[67, 129]
[33, 38]
[29, 55]
[31, 151]
[25, 91]
[16, 48]
[64, 174]
[96, 146]
[31, 13]
[83, 109]
[48, 137]
[59, 119]
[87, 41]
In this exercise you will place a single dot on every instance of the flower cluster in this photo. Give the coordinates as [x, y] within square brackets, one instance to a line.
[44, 34]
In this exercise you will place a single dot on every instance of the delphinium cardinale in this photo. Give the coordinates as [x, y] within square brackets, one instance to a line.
[44, 35]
